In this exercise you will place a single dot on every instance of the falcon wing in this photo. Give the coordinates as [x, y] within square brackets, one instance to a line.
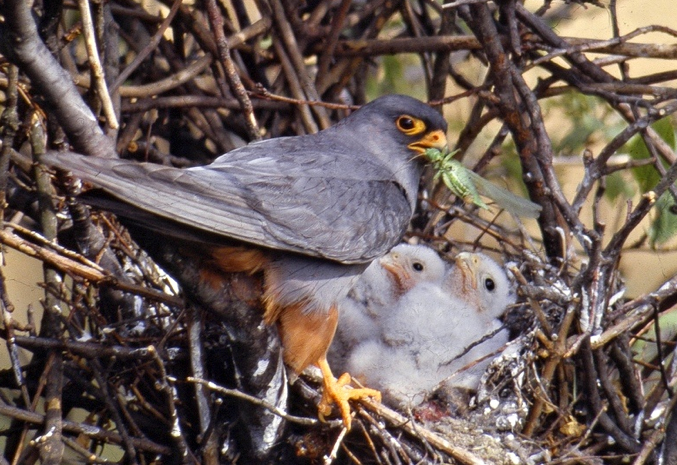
[315, 204]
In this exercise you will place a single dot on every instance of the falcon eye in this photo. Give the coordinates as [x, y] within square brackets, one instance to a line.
[418, 266]
[410, 125]
[405, 123]
[489, 284]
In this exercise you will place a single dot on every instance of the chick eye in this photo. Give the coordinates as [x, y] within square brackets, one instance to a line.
[410, 125]
[489, 284]
[418, 266]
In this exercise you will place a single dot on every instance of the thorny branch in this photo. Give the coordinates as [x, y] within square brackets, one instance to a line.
[117, 338]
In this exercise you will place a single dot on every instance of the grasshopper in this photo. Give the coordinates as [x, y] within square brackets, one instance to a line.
[469, 185]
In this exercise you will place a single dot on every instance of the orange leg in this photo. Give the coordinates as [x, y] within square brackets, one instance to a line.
[339, 391]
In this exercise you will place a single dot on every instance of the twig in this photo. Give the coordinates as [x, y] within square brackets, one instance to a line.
[232, 75]
[328, 459]
[262, 403]
[45, 73]
[152, 45]
[86, 430]
[395, 419]
[161, 86]
[95, 64]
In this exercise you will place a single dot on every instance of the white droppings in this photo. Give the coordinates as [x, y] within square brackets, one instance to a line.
[513, 419]
[261, 367]
[616, 297]
[585, 316]
[176, 429]
[173, 353]
[513, 458]
[84, 337]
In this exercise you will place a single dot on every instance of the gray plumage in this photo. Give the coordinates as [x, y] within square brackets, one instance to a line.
[345, 194]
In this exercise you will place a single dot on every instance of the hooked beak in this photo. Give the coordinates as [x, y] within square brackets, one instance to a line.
[432, 140]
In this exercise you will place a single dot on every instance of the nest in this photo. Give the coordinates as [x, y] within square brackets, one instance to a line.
[170, 374]
[124, 364]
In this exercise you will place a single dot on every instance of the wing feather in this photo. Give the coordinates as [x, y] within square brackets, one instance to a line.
[303, 202]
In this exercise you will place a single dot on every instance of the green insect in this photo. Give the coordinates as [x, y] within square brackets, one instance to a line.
[469, 185]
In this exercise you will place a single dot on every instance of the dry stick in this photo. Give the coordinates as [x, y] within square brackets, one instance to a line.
[641, 210]
[9, 121]
[95, 64]
[617, 43]
[395, 419]
[53, 245]
[330, 44]
[163, 384]
[448, 43]
[413, 25]
[195, 101]
[458, 3]
[577, 59]
[585, 236]
[87, 456]
[611, 390]
[296, 58]
[594, 169]
[658, 142]
[379, 430]
[163, 85]
[90, 350]
[10, 124]
[559, 350]
[52, 81]
[74, 268]
[109, 400]
[295, 87]
[209, 441]
[590, 380]
[232, 75]
[254, 400]
[659, 350]
[535, 305]
[534, 152]
[7, 310]
[328, 459]
[152, 45]
[87, 430]
[195, 349]
[266, 94]
[51, 449]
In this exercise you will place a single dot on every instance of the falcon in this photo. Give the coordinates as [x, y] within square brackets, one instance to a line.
[309, 212]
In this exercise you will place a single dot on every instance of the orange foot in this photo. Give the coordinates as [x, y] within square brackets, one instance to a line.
[339, 392]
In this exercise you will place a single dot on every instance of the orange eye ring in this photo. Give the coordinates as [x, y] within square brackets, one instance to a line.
[409, 125]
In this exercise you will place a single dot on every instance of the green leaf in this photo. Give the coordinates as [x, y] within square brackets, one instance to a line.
[618, 186]
[647, 176]
[664, 225]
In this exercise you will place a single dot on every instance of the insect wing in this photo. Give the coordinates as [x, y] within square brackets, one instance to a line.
[504, 198]
[464, 183]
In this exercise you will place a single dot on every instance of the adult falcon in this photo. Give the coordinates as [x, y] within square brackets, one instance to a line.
[309, 212]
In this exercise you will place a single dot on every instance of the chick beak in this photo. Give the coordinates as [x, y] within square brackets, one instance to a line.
[463, 262]
[432, 140]
[396, 271]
